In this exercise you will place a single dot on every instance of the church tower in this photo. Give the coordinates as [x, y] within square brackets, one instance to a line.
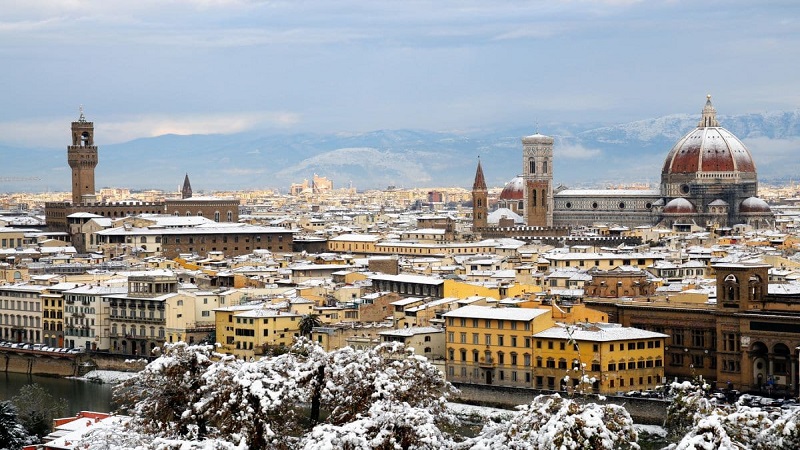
[537, 166]
[82, 158]
[186, 190]
[480, 196]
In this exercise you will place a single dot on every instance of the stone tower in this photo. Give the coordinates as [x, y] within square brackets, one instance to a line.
[537, 173]
[480, 196]
[82, 158]
[186, 190]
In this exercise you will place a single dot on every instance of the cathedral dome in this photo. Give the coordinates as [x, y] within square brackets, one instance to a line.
[754, 205]
[679, 206]
[709, 148]
[513, 190]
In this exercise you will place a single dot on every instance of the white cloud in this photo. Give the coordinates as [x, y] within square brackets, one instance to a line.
[55, 132]
[576, 151]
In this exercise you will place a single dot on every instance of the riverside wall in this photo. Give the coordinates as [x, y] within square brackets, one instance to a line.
[69, 365]
[642, 410]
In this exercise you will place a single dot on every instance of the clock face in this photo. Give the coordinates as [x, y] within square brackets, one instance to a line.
[745, 341]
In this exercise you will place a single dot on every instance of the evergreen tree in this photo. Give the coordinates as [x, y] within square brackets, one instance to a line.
[13, 434]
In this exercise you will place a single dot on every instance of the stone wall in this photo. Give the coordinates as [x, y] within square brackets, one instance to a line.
[65, 366]
[642, 410]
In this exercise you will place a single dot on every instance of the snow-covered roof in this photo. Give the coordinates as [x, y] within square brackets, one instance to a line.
[486, 312]
[407, 332]
[600, 332]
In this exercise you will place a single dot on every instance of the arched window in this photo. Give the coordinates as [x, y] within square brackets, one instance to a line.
[544, 167]
[216, 216]
[533, 197]
[544, 199]
[230, 216]
[143, 239]
[731, 288]
[532, 167]
[754, 288]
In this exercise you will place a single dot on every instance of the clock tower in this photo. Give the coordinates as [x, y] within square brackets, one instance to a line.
[82, 158]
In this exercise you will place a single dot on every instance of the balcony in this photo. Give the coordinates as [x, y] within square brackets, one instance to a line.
[487, 363]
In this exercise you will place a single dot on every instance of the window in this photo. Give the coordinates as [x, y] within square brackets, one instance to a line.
[463, 338]
[475, 339]
[488, 339]
[698, 339]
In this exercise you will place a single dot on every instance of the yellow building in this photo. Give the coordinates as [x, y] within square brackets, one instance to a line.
[247, 331]
[354, 243]
[616, 358]
[487, 345]
[525, 347]
[460, 289]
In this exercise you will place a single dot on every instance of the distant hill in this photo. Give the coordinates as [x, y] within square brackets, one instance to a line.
[585, 155]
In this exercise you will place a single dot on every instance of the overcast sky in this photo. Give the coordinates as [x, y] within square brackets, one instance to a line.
[148, 67]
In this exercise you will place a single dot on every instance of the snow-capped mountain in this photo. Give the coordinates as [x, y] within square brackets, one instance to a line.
[585, 155]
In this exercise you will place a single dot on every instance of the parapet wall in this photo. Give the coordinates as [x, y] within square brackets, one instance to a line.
[642, 410]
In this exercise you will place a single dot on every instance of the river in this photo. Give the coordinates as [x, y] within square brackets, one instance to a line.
[79, 395]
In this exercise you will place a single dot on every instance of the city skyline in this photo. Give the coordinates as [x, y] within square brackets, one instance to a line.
[200, 67]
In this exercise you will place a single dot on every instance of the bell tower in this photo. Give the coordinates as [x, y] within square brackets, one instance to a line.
[480, 197]
[82, 158]
[537, 166]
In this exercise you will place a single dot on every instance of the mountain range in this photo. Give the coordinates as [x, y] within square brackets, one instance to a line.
[586, 155]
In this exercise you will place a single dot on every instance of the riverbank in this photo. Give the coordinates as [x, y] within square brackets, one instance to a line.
[65, 365]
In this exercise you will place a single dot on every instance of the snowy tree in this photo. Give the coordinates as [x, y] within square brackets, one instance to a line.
[13, 434]
[37, 409]
[710, 433]
[253, 402]
[354, 380]
[689, 404]
[162, 396]
[783, 434]
[190, 394]
[552, 422]
[386, 426]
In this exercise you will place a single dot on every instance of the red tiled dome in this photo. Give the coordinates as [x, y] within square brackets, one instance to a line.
[754, 205]
[709, 148]
[679, 206]
[513, 190]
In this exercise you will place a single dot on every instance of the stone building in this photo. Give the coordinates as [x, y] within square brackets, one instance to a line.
[82, 157]
[708, 179]
[745, 340]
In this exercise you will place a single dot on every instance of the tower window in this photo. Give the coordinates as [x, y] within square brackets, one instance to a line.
[533, 197]
[532, 166]
[544, 167]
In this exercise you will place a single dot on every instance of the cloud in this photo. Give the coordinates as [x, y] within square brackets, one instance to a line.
[33, 133]
[576, 151]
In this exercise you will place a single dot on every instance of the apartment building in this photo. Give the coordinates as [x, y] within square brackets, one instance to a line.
[21, 313]
[526, 347]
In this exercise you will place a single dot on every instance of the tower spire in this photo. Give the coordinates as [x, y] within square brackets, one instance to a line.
[480, 180]
[186, 190]
[480, 201]
[709, 118]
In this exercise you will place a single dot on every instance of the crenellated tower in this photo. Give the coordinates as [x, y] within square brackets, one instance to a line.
[537, 164]
[480, 197]
[82, 158]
